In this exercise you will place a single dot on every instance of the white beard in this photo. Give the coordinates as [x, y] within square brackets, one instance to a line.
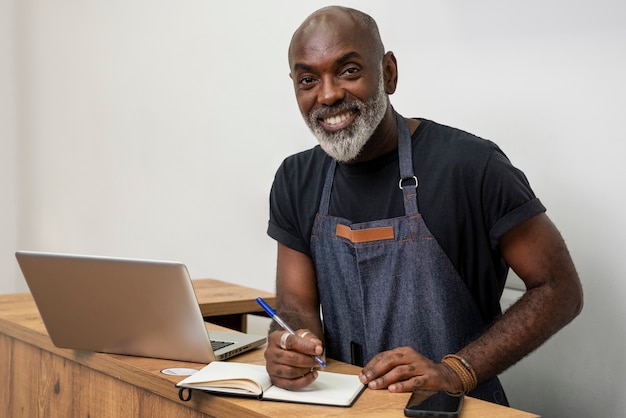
[346, 144]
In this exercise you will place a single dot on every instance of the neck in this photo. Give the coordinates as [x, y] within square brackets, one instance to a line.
[383, 140]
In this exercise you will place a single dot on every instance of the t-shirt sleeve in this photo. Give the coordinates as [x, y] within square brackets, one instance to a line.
[508, 197]
[283, 225]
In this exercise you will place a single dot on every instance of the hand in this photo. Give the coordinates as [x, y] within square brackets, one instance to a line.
[292, 366]
[404, 369]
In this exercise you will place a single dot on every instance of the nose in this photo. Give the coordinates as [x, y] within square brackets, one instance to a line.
[331, 92]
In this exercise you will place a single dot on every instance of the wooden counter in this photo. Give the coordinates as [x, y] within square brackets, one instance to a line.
[38, 379]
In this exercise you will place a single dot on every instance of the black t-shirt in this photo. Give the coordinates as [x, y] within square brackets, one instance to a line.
[469, 195]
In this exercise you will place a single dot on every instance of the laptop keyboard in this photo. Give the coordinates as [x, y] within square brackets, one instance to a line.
[216, 345]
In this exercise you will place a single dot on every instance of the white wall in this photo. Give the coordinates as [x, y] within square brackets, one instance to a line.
[153, 129]
[9, 279]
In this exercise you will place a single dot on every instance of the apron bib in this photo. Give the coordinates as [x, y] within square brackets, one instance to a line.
[387, 283]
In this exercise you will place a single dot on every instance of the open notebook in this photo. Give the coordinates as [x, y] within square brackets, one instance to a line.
[124, 306]
[242, 379]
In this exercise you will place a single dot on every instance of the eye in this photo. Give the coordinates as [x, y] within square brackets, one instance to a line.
[306, 81]
[351, 72]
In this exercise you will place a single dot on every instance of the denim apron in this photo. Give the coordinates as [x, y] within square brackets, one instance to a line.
[387, 283]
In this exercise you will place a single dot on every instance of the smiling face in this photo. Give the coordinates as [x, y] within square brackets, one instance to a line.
[337, 67]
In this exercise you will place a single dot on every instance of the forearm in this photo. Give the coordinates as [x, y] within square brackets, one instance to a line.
[536, 251]
[296, 291]
[531, 321]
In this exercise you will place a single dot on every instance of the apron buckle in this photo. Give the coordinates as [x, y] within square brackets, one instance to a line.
[407, 179]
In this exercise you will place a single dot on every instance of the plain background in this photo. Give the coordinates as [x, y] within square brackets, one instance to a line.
[153, 129]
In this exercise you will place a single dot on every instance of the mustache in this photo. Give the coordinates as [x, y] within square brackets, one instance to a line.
[325, 112]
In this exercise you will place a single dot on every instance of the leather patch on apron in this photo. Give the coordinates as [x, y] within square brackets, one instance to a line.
[364, 235]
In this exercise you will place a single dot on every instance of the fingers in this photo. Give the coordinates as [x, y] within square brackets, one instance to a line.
[303, 342]
[399, 378]
[380, 371]
[403, 370]
[289, 358]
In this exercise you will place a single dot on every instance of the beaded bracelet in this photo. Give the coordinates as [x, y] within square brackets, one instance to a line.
[463, 369]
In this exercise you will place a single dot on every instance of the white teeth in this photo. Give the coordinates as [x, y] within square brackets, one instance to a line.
[334, 120]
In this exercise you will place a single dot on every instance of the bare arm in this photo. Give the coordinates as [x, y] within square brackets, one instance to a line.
[298, 305]
[536, 252]
[296, 290]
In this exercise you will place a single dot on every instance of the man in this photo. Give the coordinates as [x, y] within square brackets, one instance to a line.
[401, 231]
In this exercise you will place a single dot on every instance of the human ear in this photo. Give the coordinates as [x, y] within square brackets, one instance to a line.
[390, 72]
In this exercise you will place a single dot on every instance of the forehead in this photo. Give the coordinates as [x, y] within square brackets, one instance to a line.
[326, 38]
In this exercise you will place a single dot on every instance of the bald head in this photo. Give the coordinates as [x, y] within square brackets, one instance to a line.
[337, 21]
[342, 78]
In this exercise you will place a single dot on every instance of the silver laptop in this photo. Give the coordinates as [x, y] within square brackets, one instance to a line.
[125, 306]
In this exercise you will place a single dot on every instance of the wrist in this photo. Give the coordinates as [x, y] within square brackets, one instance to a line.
[454, 381]
[466, 378]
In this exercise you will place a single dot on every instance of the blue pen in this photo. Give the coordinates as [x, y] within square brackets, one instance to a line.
[272, 313]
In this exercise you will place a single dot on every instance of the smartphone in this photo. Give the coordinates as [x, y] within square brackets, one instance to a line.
[434, 403]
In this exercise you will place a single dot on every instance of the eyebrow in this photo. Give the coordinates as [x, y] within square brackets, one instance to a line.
[347, 57]
[341, 60]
